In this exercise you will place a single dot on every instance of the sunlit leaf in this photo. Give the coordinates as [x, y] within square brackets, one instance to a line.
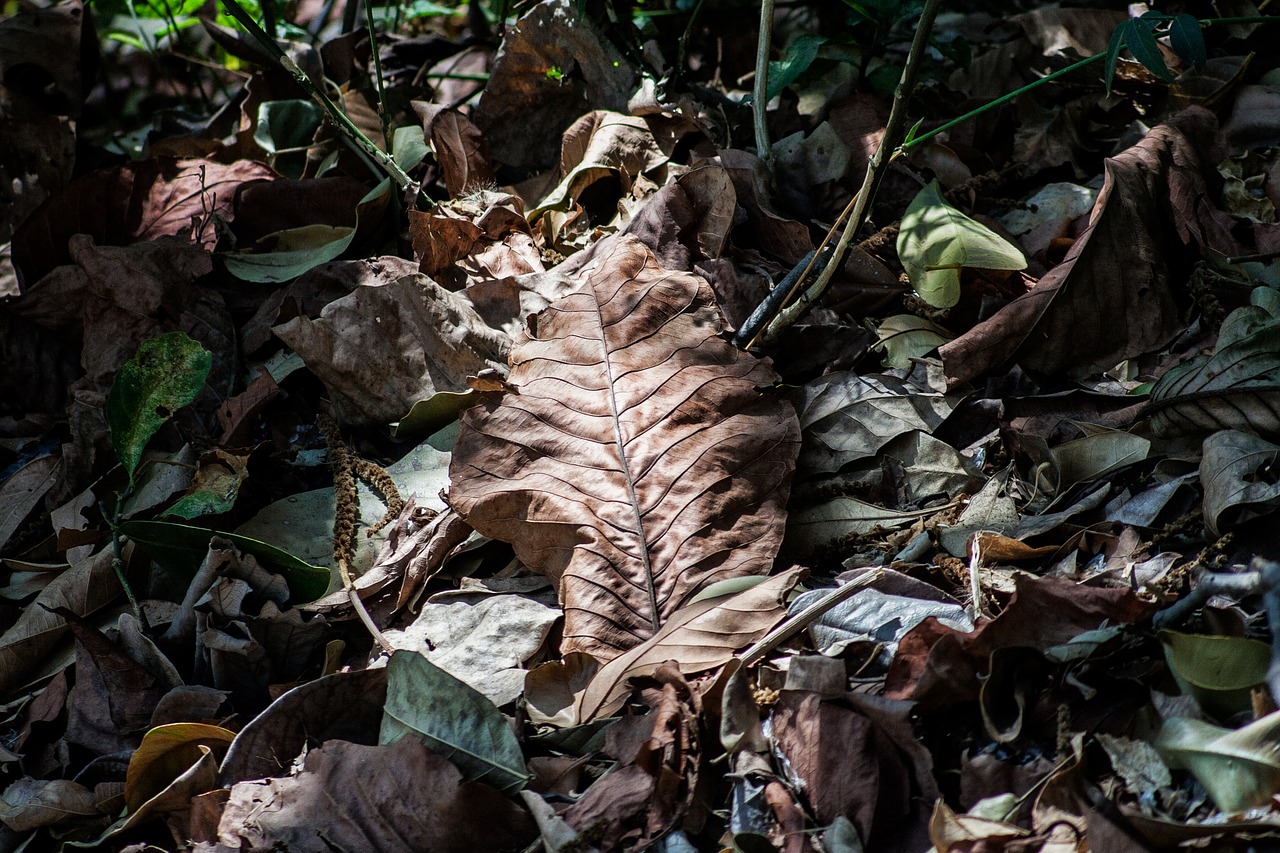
[936, 241]
[164, 375]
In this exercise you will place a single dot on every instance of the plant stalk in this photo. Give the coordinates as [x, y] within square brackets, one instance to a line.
[876, 170]
[760, 98]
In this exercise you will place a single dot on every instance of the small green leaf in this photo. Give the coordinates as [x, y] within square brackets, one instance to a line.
[1187, 39]
[182, 548]
[936, 240]
[801, 53]
[164, 375]
[287, 124]
[1113, 53]
[409, 146]
[453, 720]
[1141, 41]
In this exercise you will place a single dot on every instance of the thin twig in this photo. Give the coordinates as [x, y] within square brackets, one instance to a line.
[760, 98]
[795, 624]
[876, 170]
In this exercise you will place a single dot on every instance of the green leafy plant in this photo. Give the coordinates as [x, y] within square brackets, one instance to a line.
[164, 375]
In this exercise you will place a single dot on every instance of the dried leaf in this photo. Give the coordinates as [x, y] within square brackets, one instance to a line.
[83, 589]
[399, 798]
[845, 417]
[699, 637]
[1238, 472]
[1235, 388]
[634, 460]
[427, 339]
[524, 110]
[1118, 273]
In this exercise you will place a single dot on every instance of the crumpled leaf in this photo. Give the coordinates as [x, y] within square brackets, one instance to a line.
[1235, 388]
[164, 375]
[599, 145]
[1238, 473]
[845, 417]
[1240, 768]
[453, 720]
[936, 241]
[1153, 203]
[427, 339]
[633, 460]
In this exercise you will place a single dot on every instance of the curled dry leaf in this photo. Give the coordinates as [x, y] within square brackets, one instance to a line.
[634, 459]
[1117, 276]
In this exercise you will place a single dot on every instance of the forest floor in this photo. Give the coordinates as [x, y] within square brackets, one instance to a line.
[404, 461]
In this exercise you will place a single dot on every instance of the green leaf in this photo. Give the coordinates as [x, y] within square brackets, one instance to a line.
[936, 241]
[287, 124]
[1240, 769]
[182, 548]
[1113, 53]
[1141, 41]
[298, 250]
[409, 146]
[1187, 39]
[1217, 671]
[164, 375]
[434, 413]
[800, 54]
[453, 720]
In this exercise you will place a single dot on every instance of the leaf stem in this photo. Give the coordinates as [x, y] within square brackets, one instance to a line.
[1003, 99]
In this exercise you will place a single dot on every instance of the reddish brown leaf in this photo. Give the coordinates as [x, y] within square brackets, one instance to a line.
[659, 753]
[459, 148]
[939, 666]
[635, 459]
[140, 201]
[1112, 297]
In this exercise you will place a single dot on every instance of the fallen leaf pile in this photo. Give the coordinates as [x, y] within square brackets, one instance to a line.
[423, 496]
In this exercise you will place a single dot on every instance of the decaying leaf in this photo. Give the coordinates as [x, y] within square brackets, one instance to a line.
[1235, 388]
[636, 457]
[1118, 273]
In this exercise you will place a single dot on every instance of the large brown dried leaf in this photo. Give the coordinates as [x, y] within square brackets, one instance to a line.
[1111, 298]
[634, 459]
